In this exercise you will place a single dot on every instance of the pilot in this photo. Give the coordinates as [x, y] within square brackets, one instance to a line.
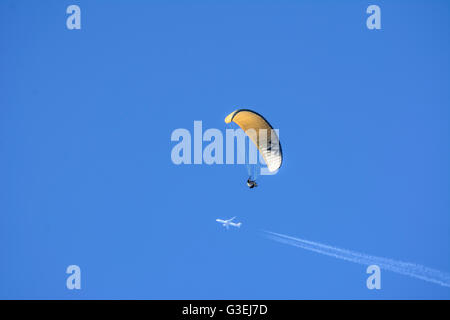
[251, 184]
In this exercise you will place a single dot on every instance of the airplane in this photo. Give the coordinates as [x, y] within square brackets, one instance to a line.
[228, 223]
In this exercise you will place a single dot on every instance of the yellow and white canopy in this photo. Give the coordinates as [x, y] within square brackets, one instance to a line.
[262, 135]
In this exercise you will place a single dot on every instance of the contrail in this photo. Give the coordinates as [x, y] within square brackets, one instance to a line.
[405, 268]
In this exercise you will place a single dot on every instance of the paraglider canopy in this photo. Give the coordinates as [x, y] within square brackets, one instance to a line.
[262, 135]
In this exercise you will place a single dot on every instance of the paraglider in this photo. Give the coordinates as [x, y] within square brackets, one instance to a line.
[262, 134]
[251, 183]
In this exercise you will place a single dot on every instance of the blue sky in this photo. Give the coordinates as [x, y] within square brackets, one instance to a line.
[86, 176]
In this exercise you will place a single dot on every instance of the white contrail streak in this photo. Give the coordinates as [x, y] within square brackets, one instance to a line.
[405, 268]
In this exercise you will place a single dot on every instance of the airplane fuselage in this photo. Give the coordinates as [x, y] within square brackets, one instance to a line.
[228, 223]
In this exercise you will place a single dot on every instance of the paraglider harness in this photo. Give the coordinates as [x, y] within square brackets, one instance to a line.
[251, 184]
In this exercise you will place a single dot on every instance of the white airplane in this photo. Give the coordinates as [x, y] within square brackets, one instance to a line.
[228, 223]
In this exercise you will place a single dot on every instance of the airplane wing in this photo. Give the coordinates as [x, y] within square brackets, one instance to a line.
[231, 219]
